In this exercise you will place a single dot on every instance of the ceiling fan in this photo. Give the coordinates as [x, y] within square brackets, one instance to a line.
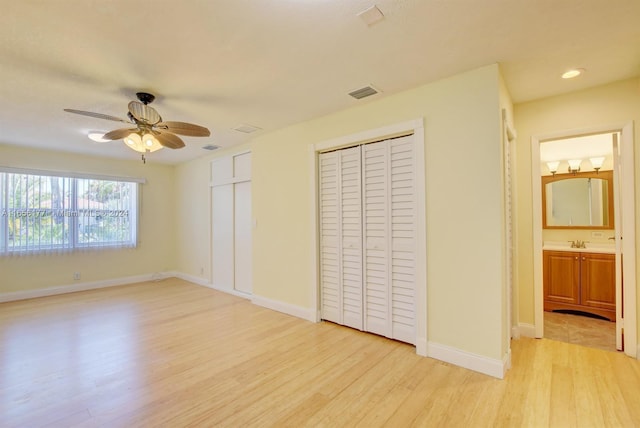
[150, 133]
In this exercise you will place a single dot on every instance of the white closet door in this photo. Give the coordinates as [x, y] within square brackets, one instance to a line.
[222, 230]
[376, 231]
[341, 237]
[242, 237]
[330, 260]
[403, 239]
[390, 242]
[232, 223]
[368, 237]
[351, 219]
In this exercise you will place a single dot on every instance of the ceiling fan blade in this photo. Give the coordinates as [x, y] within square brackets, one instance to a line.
[183, 128]
[118, 134]
[96, 115]
[169, 140]
[144, 113]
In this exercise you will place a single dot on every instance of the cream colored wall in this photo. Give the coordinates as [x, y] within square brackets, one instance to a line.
[611, 104]
[155, 253]
[464, 208]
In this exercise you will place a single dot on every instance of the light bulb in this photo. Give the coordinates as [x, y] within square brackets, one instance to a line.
[151, 143]
[134, 142]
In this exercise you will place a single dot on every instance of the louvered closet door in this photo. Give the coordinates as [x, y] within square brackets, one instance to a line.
[341, 237]
[389, 238]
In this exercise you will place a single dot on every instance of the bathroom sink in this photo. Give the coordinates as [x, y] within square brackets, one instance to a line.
[590, 247]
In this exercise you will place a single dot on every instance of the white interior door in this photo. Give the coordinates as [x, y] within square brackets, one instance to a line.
[242, 238]
[617, 197]
[222, 236]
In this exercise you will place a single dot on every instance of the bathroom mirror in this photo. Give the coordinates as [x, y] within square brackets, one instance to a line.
[583, 200]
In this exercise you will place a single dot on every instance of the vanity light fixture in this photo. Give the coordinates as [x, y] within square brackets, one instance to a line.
[553, 167]
[574, 165]
[597, 163]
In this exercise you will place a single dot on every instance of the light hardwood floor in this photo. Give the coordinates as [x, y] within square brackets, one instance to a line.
[173, 354]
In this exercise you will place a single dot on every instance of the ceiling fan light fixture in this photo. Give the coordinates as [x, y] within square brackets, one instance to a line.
[133, 141]
[151, 144]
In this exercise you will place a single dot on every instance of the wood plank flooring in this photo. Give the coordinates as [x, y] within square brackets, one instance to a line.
[173, 354]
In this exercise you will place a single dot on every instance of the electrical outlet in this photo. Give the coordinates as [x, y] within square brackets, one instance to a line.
[201, 271]
[598, 235]
[76, 276]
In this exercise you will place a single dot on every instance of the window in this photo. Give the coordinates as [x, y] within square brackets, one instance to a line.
[41, 212]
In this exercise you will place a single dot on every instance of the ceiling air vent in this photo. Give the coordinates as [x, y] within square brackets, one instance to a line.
[247, 129]
[367, 91]
[210, 147]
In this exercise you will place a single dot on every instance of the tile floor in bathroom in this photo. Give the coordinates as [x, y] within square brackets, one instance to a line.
[580, 330]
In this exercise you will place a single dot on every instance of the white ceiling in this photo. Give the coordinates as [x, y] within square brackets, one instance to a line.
[272, 63]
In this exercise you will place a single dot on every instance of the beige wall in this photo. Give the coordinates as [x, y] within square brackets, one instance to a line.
[464, 209]
[611, 104]
[155, 253]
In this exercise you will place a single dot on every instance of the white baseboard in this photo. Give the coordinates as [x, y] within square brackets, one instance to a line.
[422, 347]
[198, 280]
[515, 332]
[81, 286]
[285, 308]
[468, 360]
[526, 330]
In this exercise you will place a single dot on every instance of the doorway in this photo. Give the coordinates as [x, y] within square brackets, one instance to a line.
[618, 159]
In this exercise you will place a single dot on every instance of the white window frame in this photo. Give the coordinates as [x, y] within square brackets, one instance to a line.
[75, 244]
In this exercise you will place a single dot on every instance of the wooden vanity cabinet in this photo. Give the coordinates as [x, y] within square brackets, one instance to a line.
[580, 281]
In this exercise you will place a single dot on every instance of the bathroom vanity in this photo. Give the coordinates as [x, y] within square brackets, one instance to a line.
[580, 279]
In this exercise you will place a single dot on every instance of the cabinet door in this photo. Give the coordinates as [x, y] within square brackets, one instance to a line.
[561, 277]
[598, 280]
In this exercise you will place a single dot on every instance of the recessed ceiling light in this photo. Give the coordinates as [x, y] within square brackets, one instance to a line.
[97, 137]
[570, 74]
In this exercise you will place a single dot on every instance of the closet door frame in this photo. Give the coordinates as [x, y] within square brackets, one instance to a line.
[415, 127]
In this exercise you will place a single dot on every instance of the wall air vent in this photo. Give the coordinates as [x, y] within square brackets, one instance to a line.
[210, 147]
[367, 91]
